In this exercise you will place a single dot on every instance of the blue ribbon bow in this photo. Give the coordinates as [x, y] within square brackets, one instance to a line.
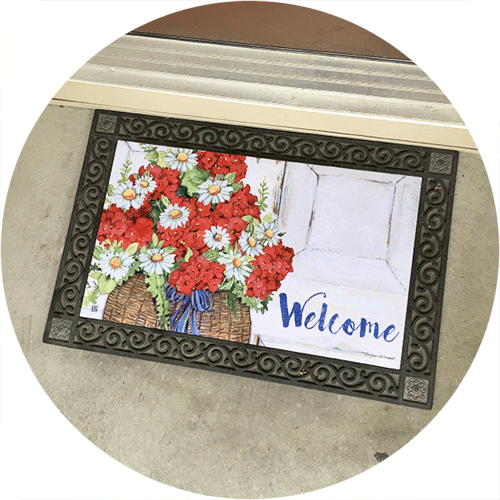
[199, 300]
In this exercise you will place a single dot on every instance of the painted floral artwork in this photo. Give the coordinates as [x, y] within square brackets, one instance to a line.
[188, 227]
[303, 258]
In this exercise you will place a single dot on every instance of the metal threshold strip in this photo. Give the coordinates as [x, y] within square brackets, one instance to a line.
[378, 99]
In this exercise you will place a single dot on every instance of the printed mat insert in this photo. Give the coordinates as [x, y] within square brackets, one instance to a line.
[311, 260]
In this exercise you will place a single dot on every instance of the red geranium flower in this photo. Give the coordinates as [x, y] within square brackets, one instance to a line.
[140, 232]
[144, 211]
[167, 183]
[203, 210]
[271, 267]
[236, 226]
[222, 164]
[197, 274]
[206, 160]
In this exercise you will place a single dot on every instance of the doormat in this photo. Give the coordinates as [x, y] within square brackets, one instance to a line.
[310, 260]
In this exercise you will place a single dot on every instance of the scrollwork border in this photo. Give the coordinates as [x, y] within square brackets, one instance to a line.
[427, 276]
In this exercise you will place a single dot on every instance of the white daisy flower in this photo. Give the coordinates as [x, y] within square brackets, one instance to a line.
[214, 191]
[181, 159]
[216, 237]
[249, 244]
[236, 265]
[156, 260]
[268, 231]
[174, 216]
[115, 264]
[144, 184]
[126, 195]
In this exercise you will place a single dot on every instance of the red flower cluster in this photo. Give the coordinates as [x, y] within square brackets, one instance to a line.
[230, 214]
[197, 274]
[131, 226]
[227, 215]
[137, 225]
[222, 164]
[271, 268]
[189, 236]
[167, 182]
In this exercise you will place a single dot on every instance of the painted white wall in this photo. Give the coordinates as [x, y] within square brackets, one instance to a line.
[296, 207]
[341, 221]
[270, 171]
[351, 216]
[402, 233]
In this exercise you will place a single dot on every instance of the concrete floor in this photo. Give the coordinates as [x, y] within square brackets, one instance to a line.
[245, 438]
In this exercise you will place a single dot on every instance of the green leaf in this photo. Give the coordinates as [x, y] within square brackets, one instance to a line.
[161, 160]
[193, 178]
[252, 302]
[169, 250]
[154, 280]
[88, 300]
[154, 240]
[268, 218]
[165, 201]
[227, 284]
[265, 302]
[238, 289]
[95, 275]
[155, 214]
[152, 156]
[189, 253]
[232, 303]
[156, 286]
[182, 192]
[250, 229]
[263, 194]
[250, 219]
[236, 186]
[91, 296]
[125, 170]
[211, 255]
[106, 284]
[111, 190]
[132, 248]
[97, 252]
[230, 178]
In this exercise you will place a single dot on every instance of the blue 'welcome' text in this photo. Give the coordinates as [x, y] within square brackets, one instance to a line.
[319, 321]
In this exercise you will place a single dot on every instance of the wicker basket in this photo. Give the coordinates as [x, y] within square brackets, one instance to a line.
[132, 304]
[221, 323]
